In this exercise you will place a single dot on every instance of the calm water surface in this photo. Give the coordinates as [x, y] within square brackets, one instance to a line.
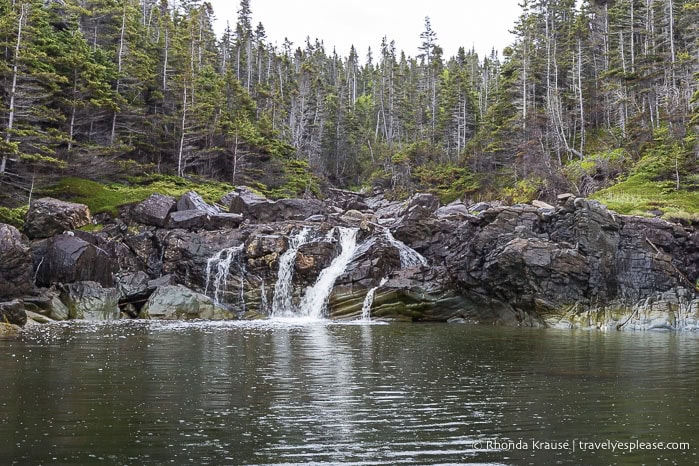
[323, 393]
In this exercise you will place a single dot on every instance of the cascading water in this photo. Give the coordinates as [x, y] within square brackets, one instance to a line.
[409, 257]
[220, 263]
[316, 298]
[281, 299]
[369, 300]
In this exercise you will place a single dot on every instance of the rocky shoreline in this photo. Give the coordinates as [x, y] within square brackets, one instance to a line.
[573, 265]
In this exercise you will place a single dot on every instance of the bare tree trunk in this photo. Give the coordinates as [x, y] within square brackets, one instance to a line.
[182, 131]
[13, 89]
[120, 56]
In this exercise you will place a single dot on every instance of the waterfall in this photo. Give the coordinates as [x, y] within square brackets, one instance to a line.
[409, 257]
[281, 299]
[369, 300]
[221, 264]
[316, 298]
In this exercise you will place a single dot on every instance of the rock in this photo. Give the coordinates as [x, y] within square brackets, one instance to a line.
[180, 303]
[223, 220]
[542, 205]
[68, 259]
[313, 257]
[299, 209]
[479, 207]
[154, 210]
[48, 304]
[89, 301]
[562, 199]
[193, 201]
[35, 318]
[48, 217]
[187, 219]
[133, 286]
[16, 263]
[9, 330]
[455, 210]
[259, 209]
[247, 202]
[145, 246]
[13, 312]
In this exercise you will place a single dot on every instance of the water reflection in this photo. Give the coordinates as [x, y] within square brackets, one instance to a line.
[281, 392]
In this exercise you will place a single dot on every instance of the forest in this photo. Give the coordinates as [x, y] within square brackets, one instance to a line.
[597, 98]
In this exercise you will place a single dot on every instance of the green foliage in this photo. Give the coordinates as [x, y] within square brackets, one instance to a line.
[664, 179]
[448, 181]
[14, 217]
[298, 180]
[523, 191]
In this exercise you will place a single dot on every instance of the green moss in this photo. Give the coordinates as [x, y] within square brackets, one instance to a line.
[638, 195]
[109, 197]
[14, 217]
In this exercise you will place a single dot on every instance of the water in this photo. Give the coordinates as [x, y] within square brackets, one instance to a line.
[409, 257]
[281, 299]
[315, 300]
[220, 263]
[326, 394]
[369, 300]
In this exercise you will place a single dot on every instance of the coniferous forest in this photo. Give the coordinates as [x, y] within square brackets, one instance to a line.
[598, 99]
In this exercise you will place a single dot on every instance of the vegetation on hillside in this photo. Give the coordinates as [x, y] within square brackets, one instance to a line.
[598, 98]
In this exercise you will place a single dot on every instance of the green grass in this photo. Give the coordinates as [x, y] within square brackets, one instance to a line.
[14, 217]
[639, 194]
[109, 197]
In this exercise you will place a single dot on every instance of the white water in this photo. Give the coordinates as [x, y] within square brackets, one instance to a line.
[315, 300]
[409, 257]
[281, 299]
[221, 264]
[369, 300]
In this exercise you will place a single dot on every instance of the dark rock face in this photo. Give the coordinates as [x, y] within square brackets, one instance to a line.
[154, 210]
[68, 259]
[16, 263]
[12, 312]
[48, 217]
[533, 265]
[538, 262]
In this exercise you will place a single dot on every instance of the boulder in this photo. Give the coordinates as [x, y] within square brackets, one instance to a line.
[48, 217]
[47, 303]
[223, 220]
[67, 258]
[193, 201]
[188, 219]
[180, 303]
[247, 202]
[154, 210]
[16, 263]
[13, 312]
[89, 301]
[259, 209]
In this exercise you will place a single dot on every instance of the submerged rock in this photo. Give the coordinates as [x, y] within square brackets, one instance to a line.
[89, 301]
[180, 303]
